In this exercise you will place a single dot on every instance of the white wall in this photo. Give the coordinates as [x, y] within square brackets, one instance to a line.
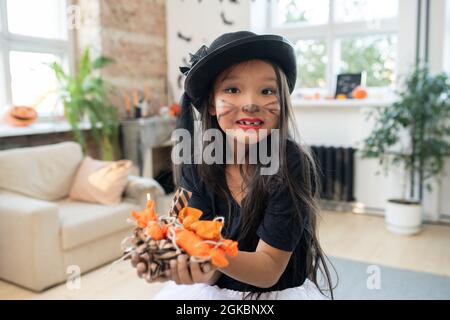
[200, 20]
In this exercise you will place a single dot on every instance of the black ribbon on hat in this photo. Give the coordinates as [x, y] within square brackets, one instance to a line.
[194, 58]
[186, 118]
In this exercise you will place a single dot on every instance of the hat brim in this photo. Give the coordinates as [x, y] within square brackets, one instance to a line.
[270, 47]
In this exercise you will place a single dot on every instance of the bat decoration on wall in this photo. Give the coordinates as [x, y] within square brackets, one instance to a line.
[224, 20]
[182, 37]
[180, 76]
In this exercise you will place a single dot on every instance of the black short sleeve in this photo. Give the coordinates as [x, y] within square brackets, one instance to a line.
[280, 227]
[199, 198]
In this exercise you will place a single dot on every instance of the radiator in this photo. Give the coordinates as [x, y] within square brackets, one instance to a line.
[336, 171]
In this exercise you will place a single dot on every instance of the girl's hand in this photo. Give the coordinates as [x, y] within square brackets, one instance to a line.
[141, 268]
[183, 272]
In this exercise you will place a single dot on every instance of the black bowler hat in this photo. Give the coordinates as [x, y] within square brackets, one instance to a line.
[225, 51]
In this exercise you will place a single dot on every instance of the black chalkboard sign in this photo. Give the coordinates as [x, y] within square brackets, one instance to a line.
[346, 82]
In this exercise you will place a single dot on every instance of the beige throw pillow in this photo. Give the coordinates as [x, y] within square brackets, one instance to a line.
[100, 181]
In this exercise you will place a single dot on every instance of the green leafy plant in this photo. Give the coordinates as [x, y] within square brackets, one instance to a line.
[414, 131]
[84, 94]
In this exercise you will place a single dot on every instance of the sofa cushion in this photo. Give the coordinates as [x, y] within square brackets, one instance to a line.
[83, 222]
[44, 172]
[100, 181]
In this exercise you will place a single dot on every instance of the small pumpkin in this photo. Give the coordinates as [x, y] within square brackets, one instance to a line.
[359, 93]
[21, 116]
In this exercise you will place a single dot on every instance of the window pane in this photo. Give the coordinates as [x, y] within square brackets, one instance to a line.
[32, 79]
[376, 55]
[365, 10]
[43, 18]
[302, 11]
[311, 61]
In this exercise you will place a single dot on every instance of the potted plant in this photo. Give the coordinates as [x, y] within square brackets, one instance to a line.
[84, 95]
[413, 132]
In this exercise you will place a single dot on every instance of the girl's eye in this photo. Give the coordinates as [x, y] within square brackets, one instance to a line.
[269, 91]
[231, 90]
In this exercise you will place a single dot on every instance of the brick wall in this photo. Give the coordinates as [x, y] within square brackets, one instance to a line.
[133, 33]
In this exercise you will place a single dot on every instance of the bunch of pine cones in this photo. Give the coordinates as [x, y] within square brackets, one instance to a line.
[157, 253]
[158, 240]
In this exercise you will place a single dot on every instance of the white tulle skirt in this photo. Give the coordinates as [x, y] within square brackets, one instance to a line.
[201, 291]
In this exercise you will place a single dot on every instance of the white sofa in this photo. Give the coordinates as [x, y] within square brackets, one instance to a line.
[42, 233]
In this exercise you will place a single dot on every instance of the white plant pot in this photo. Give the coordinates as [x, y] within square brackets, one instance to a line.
[403, 218]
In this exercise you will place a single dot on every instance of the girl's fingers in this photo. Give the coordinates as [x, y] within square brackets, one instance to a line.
[160, 279]
[196, 272]
[180, 271]
[207, 267]
[141, 268]
[183, 270]
[134, 259]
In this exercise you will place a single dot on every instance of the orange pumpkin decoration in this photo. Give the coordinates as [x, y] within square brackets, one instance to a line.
[175, 109]
[157, 232]
[192, 243]
[230, 247]
[218, 258]
[189, 215]
[359, 93]
[209, 230]
[145, 216]
[21, 116]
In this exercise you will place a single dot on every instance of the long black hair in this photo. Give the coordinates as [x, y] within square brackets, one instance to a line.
[257, 188]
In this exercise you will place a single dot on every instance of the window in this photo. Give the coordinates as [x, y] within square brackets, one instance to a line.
[339, 36]
[33, 34]
[312, 63]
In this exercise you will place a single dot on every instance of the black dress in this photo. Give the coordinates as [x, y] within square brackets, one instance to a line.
[275, 228]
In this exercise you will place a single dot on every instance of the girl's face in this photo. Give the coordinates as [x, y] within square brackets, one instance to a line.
[245, 101]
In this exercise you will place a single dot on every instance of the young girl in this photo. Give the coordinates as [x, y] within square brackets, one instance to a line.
[241, 86]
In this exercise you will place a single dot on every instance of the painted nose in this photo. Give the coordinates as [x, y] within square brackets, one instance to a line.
[250, 108]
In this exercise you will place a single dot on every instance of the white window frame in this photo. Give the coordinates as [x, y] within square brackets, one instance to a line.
[62, 48]
[331, 31]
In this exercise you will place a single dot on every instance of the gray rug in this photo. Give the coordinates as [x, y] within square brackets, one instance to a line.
[358, 280]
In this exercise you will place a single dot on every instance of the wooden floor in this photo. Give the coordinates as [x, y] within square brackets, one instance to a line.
[348, 235]
[365, 238]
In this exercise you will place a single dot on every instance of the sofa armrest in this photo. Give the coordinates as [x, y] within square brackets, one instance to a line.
[138, 187]
[30, 250]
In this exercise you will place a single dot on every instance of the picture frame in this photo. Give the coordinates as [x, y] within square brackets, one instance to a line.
[346, 82]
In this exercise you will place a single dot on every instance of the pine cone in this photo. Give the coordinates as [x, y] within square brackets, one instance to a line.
[157, 254]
